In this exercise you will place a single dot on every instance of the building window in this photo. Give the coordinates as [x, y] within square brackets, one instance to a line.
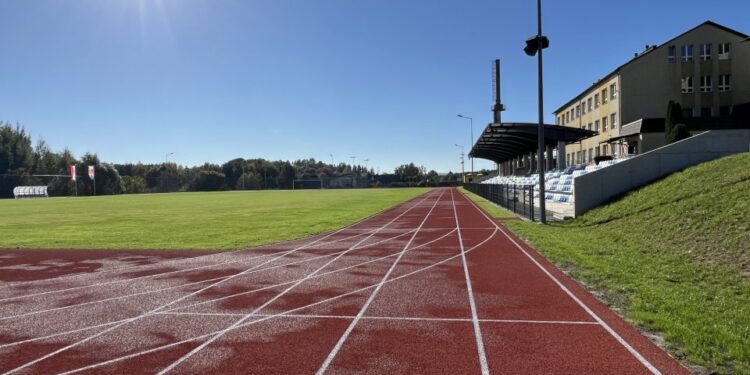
[706, 84]
[687, 53]
[591, 154]
[706, 112]
[590, 102]
[596, 125]
[613, 120]
[604, 124]
[724, 82]
[578, 110]
[723, 51]
[613, 91]
[583, 160]
[583, 108]
[706, 51]
[596, 100]
[605, 150]
[687, 84]
[671, 54]
[604, 96]
[567, 117]
[591, 126]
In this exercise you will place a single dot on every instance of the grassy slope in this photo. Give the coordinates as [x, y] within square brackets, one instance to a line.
[222, 220]
[672, 257]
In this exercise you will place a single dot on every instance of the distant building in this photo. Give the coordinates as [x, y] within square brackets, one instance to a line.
[706, 70]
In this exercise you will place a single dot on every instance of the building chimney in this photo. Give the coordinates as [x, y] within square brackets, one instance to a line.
[498, 108]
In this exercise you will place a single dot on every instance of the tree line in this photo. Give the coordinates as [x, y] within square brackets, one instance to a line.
[22, 163]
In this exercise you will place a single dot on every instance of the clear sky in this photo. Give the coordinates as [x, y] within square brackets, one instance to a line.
[211, 80]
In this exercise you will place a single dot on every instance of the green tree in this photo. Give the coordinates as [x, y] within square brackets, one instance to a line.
[675, 128]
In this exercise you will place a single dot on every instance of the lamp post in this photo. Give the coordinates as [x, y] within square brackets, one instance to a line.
[534, 46]
[471, 140]
[463, 174]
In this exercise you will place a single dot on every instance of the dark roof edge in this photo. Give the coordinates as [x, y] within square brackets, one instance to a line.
[709, 23]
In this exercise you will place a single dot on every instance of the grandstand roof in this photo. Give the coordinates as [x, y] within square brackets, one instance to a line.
[503, 142]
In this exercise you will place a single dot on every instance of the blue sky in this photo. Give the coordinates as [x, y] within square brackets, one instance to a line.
[211, 80]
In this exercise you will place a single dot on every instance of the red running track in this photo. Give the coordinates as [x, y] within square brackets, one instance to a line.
[430, 286]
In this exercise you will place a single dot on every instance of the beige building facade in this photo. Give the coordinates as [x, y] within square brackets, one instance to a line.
[706, 70]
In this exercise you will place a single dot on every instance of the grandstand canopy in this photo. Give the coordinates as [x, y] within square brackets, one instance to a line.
[503, 142]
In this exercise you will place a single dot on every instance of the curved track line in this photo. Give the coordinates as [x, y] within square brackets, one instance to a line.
[256, 248]
[580, 303]
[193, 283]
[208, 342]
[167, 346]
[175, 310]
[151, 312]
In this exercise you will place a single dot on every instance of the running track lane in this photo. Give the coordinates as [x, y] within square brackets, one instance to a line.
[430, 286]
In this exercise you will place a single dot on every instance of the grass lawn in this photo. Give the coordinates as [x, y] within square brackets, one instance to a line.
[220, 220]
[672, 257]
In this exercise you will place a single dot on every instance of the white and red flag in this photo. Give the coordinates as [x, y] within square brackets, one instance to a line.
[91, 172]
[72, 172]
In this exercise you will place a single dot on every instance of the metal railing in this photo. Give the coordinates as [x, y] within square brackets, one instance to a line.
[518, 199]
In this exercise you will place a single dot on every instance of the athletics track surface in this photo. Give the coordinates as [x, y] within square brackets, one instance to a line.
[429, 286]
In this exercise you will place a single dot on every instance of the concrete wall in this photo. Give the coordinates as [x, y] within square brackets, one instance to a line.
[600, 186]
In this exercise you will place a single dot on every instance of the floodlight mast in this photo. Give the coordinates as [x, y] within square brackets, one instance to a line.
[534, 46]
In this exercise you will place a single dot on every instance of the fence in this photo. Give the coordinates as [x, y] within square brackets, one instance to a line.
[516, 198]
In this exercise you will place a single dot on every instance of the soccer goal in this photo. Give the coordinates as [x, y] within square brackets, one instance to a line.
[307, 184]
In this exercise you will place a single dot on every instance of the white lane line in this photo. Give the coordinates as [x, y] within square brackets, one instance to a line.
[242, 261]
[474, 316]
[292, 242]
[284, 292]
[175, 310]
[397, 318]
[596, 317]
[342, 339]
[374, 260]
[151, 312]
[189, 284]
[167, 346]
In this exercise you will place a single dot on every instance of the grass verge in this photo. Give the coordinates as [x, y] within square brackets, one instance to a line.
[221, 220]
[672, 258]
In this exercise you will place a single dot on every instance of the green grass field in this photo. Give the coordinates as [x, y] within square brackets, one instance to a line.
[672, 257]
[221, 220]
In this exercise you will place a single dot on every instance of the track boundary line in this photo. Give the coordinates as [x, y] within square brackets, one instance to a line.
[399, 318]
[31, 363]
[167, 346]
[645, 362]
[189, 284]
[287, 290]
[484, 365]
[363, 309]
[255, 248]
[175, 309]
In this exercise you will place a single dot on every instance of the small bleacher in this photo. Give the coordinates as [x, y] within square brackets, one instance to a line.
[22, 192]
[559, 185]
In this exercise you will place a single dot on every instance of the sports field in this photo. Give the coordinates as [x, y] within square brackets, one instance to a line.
[221, 220]
[430, 286]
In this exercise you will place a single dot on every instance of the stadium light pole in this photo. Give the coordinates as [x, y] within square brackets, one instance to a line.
[471, 140]
[534, 46]
[166, 157]
[353, 176]
[463, 174]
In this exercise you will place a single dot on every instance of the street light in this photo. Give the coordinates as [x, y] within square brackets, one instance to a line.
[471, 140]
[534, 46]
[463, 174]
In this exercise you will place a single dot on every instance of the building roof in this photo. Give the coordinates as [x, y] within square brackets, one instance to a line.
[503, 142]
[646, 52]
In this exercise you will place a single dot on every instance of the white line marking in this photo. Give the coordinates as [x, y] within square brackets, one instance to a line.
[193, 283]
[362, 310]
[167, 346]
[474, 316]
[175, 310]
[151, 312]
[596, 317]
[397, 318]
[284, 292]
[257, 248]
